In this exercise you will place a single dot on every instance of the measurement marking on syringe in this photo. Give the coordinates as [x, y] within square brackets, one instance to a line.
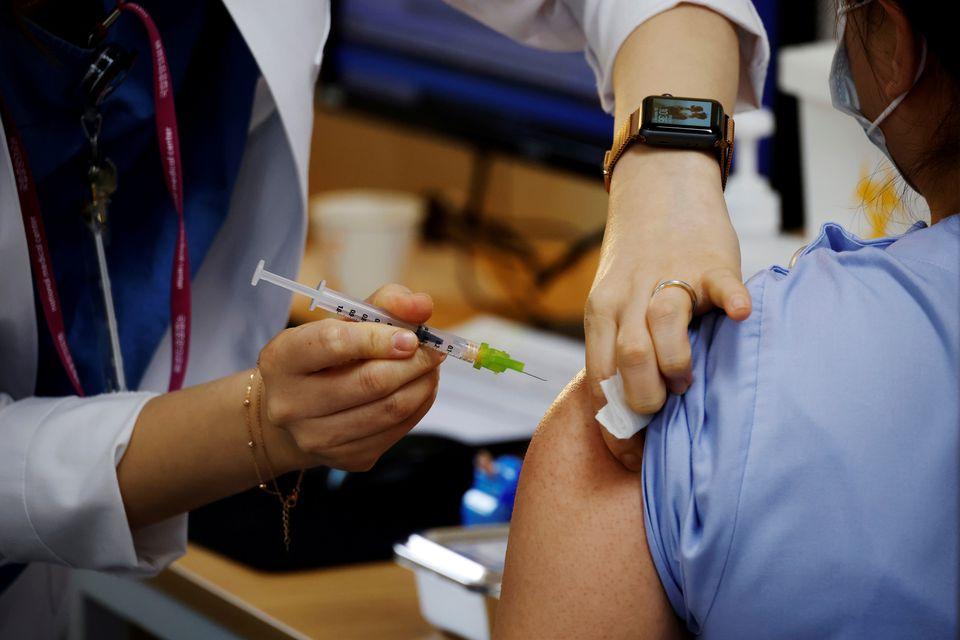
[480, 355]
[364, 318]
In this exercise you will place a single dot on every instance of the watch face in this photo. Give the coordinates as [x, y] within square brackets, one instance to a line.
[682, 112]
[670, 121]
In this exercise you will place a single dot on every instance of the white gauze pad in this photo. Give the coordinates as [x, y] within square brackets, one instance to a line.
[615, 416]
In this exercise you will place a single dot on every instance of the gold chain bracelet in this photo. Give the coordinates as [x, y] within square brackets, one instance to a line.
[288, 502]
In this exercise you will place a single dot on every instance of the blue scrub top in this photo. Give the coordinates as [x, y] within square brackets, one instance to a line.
[806, 486]
[214, 75]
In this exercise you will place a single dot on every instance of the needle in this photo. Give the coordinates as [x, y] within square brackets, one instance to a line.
[534, 376]
[481, 356]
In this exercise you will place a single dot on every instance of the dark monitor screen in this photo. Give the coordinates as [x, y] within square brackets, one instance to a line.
[427, 64]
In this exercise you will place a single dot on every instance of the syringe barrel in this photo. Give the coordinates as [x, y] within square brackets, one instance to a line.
[442, 341]
[358, 310]
[448, 343]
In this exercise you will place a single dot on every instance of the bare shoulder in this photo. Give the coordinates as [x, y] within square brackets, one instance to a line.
[577, 563]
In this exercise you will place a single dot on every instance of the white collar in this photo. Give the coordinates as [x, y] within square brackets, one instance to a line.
[287, 44]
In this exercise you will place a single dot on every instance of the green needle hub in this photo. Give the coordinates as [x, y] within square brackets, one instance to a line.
[495, 360]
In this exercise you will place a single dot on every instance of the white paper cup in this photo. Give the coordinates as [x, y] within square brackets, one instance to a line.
[365, 236]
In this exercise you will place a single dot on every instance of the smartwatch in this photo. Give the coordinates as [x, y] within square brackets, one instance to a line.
[680, 123]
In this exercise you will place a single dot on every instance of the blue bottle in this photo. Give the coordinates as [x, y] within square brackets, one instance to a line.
[490, 500]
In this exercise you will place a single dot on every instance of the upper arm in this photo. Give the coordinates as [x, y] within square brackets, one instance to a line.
[577, 563]
[598, 551]
[600, 27]
[812, 460]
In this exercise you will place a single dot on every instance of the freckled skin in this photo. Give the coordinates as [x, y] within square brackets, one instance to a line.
[574, 495]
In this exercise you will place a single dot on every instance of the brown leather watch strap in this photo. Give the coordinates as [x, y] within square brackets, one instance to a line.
[629, 132]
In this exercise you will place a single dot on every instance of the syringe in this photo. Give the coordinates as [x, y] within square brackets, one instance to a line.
[482, 355]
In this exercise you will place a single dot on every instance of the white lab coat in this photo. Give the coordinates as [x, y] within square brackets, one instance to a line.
[60, 504]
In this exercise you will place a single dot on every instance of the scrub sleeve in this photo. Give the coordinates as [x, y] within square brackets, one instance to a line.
[805, 486]
[695, 454]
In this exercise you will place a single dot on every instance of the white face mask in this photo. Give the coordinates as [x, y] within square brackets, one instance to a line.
[843, 92]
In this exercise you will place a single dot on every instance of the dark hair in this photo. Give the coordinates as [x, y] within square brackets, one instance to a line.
[931, 22]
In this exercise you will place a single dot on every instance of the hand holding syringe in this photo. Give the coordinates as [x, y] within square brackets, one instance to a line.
[482, 355]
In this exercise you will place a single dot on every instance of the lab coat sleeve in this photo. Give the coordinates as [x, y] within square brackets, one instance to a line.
[59, 494]
[599, 27]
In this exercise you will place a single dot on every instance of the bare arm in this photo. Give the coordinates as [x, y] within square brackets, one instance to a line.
[335, 393]
[687, 51]
[577, 563]
[189, 448]
[667, 218]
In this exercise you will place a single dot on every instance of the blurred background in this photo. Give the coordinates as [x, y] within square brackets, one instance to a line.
[503, 143]
[457, 162]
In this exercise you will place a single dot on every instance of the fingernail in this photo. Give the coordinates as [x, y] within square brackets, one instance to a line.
[630, 461]
[678, 387]
[405, 341]
[739, 302]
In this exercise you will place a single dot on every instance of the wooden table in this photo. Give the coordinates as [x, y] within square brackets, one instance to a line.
[377, 600]
[205, 595]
